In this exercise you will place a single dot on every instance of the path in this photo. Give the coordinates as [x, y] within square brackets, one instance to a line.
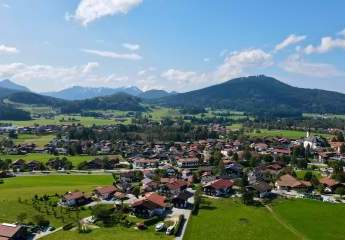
[186, 213]
[38, 236]
[287, 226]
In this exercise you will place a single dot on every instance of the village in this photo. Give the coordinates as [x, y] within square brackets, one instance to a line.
[162, 183]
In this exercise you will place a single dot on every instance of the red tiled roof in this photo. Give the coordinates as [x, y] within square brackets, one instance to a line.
[151, 200]
[178, 183]
[220, 184]
[106, 189]
[328, 181]
[73, 195]
[289, 181]
[8, 231]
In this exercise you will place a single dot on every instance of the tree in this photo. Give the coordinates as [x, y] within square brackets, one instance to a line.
[248, 197]
[340, 191]
[340, 137]
[342, 148]
[40, 220]
[235, 157]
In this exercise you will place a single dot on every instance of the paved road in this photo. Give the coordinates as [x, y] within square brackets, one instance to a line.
[187, 214]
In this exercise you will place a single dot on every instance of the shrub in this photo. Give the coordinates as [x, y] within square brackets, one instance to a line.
[152, 221]
[68, 226]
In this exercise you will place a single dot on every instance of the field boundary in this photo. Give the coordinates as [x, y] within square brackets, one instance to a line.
[285, 225]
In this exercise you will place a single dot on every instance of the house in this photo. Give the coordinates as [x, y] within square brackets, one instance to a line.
[288, 182]
[261, 188]
[106, 192]
[218, 187]
[35, 165]
[74, 199]
[145, 163]
[18, 165]
[188, 162]
[330, 184]
[151, 204]
[176, 186]
[181, 200]
[12, 232]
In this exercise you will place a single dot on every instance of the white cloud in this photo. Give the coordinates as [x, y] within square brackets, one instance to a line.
[5, 5]
[342, 33]
[90, 10]
[130, 46]
[174, 74]
[295, 64]
[7, 49]
[326, 45]
[290, 40]
[114, 55]
[146, 71]
[47, 77]
[237, 62]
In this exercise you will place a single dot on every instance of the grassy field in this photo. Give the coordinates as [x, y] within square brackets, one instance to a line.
[315, 220]
[230, 220]
[44, 157]
[63, 119]
[39, 140]
[289, 219]
[235, 126]
[315, 115]
[292, 134]
[109, 233]
[27, 187]
[301, 173]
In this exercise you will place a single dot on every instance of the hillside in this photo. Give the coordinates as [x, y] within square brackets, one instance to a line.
[260, 95]
[81, 93]
[13, 86]
[119, 101]
[4, 92]
[152, 94]
[34, 99]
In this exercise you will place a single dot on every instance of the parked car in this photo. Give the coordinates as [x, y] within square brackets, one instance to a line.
[170, 230]
[160, 226]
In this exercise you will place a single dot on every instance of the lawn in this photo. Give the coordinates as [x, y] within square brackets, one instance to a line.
[39, 140]
[301, 173]
[26, 187]
[231, 220]
[291, 134]
[315, 220]
[64, 119]
[109, 233]
[44, 157]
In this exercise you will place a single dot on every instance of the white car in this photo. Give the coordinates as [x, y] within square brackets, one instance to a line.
[159, 227]
[169, 230]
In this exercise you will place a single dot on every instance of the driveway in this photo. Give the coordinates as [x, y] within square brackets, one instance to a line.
[176, 212]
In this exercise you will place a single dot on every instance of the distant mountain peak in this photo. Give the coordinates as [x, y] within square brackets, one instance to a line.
[6, 83]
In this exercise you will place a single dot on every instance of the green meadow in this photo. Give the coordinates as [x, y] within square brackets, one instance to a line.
[291, 134]
[26, 187]
[44, 157]
[228, 219]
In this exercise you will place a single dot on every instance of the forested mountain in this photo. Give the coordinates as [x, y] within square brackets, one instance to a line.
[35, 99]
[13, 86]
[152, 94]
[260, 95]
[119, 101]
[81, 93]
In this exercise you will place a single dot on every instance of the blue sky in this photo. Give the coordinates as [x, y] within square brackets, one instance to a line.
[171, 44]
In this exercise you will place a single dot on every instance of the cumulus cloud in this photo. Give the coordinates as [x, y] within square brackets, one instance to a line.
[90, 10]
[326, 45]
[290, 40]
[47, 77]
[237, 62]
[295, 64]
[130, 46]
[175, 74]
[114, 55]
[8, 49]
[342, 33]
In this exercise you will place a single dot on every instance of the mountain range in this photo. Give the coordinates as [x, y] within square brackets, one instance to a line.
[257, 95]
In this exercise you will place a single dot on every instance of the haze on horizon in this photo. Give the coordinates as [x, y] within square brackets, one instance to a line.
[172, 45]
